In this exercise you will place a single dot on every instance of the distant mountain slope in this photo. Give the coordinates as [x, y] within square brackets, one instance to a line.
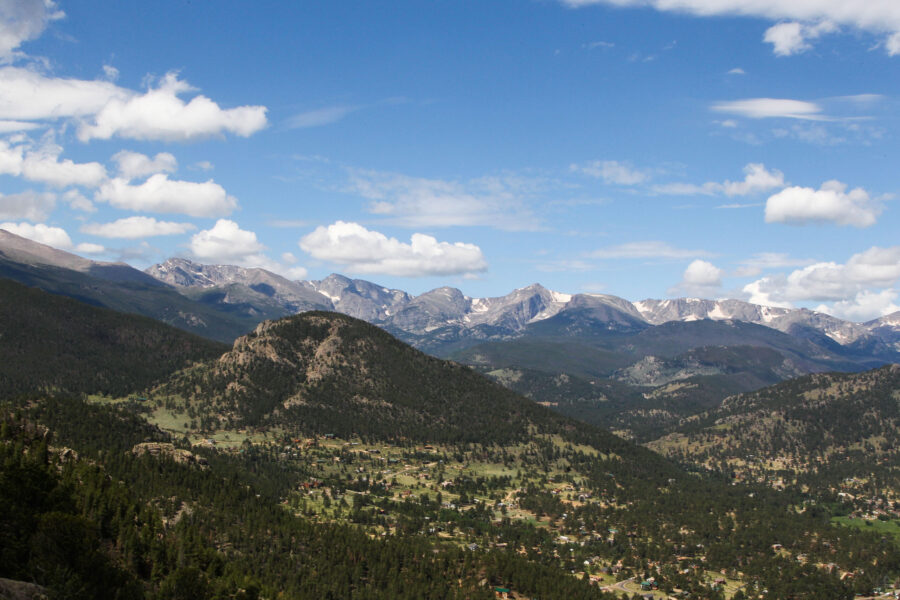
[665, 373]
[827, 425]
[253, 284]
[122, 288]
[49, 342]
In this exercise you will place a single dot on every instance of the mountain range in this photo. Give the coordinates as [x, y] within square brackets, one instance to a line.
[446, 311]
[639, 367]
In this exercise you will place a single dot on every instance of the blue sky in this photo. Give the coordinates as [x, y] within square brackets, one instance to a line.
[720, 148]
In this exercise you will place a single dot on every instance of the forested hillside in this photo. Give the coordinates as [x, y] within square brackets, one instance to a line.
[53, 343]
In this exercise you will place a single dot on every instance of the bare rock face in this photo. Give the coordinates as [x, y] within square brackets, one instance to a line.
[184, 457]
[21, 590]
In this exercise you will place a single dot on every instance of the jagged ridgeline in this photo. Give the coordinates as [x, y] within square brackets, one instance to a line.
[53, 343]
[329, 373]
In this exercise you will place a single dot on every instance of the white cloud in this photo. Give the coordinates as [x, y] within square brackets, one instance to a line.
[23, 20]
[159, 114]
[875, 16]
[136, 227]
[686, 189]
[763, 261]
[162, 195]
[227, 243]
[133, 165]
[766, 292]
[44, 234]
[864, 306]
[875, 269]
[77, 201]
[648, 249]
[29, 205]
[417, 202]
[766, 108]
[756, 179]
[7, 126]
[320, 117]
[612, 171]
[203, 165]
[701, 278]
[794, 37]
[110, 72]
[28, 95]
[43, 165]
[89, 248]
[830, 203]
[892, 44]
[737, 71]
[11, 158]
[363, 251]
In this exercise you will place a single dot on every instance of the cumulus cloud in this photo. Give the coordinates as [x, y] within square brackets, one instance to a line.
[646, 249]
[612, 171]
[28, 205]
[756, 179]
[105, 110]
[43, 165]
[701, 278]
[794, 37]
[23, 20]
[864, 306]
[363, 251]
[133, 165]
[162, 195]
[28, 95]
[160, 114]
[418, 202]
[44, 234]
[830, 203]
[767, 108]
[78, 201]
[227, 243]
[132, 228]
[880, 18]
[875, 269]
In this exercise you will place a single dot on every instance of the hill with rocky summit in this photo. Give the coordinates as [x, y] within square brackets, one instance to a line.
[325, 372]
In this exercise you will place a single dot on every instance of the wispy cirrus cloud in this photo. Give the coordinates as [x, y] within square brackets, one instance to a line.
[757, 179]
[767, 108]
[320, 116]
[647, 249]
[612, 171]
[493, 201]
